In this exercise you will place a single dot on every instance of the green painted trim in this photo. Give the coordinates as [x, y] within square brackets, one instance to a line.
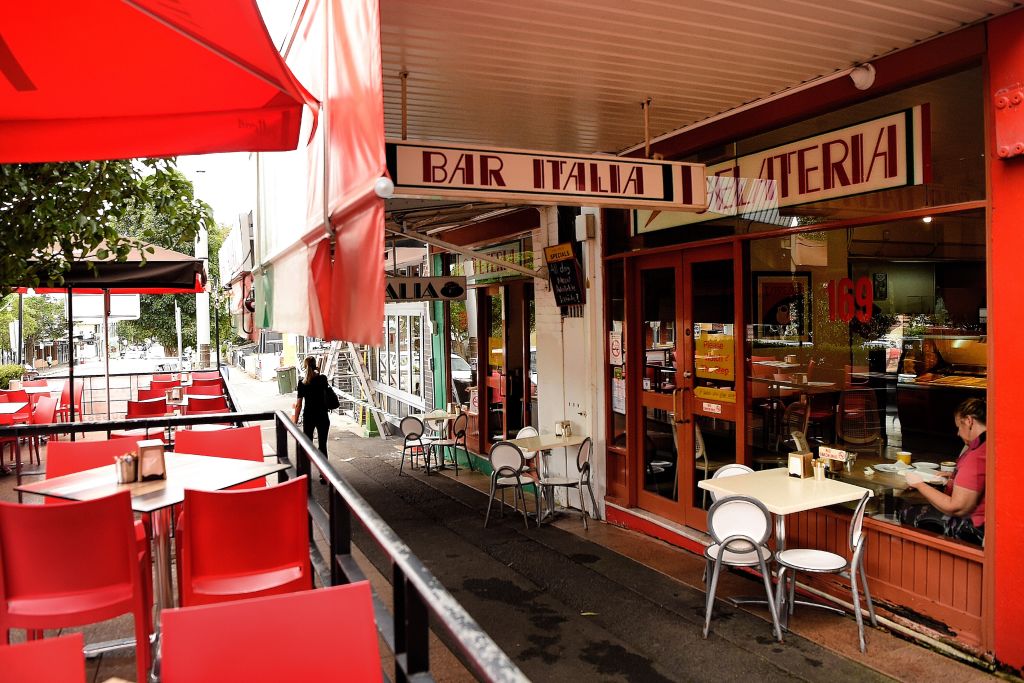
[437, 344]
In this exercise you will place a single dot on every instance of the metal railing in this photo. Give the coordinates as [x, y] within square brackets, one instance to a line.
[418, 598]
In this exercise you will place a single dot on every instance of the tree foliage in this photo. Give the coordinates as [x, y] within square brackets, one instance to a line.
[157, 320]
[43, 320]
[48, 211]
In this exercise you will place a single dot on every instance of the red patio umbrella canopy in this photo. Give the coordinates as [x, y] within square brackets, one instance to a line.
[113, 79]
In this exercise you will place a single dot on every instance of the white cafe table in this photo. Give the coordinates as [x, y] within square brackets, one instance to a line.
[11, 408]
[544, 444]
[436, 421]
[784, 495]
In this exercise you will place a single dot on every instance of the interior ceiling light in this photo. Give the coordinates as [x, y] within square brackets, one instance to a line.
[927, 219]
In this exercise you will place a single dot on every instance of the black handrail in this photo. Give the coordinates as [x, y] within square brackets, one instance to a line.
[418, 597]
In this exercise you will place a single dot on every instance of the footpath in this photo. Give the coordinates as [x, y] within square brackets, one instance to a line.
[605, 604]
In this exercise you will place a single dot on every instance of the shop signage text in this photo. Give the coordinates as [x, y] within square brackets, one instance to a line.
[892, 151]
[427, 169]
[849, 299]
[399, 289]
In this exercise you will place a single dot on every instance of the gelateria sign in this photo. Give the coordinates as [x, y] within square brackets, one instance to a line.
[881, 154]
[426, 169]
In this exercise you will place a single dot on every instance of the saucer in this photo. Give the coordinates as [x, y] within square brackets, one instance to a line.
[926, 465]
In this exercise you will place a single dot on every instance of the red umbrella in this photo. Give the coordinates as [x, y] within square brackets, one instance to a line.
[112, 79]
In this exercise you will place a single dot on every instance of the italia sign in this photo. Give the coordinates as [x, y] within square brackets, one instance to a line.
[426, 169]
[400, 289]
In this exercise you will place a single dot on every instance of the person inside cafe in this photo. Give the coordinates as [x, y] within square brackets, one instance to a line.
[958, 510]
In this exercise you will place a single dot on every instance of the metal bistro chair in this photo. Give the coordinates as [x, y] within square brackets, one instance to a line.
[823, 562]
[454, 443]
[740, 527]
[583, 467]
[508, 470]
[733, 469]
[415, 443]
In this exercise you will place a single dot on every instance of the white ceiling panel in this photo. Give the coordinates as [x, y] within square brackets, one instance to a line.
[569, 75]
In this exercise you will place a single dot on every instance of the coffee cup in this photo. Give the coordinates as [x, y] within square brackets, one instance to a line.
[947, 466]
[904, 457]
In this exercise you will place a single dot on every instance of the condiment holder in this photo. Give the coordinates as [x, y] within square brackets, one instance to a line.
[151, 460]
[819, 469]
[800, 464]
[125, 467]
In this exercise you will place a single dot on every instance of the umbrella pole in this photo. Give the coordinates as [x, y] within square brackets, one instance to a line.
[106, 345]
[71, 364]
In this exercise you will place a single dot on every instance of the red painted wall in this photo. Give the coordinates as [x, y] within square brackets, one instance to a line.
[1006, 473]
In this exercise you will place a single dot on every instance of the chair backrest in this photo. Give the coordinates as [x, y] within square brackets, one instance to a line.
[527, 432]
[461, 426]
[699, 450]
[583, 454]
[47, 659]
[234, 533]
[506, 459]
[858, 419]
[205, 389]
[161, 377]
[34, 383]
[15, 395]
[42, 549]
[857, 522]
[206, 403]
[731, 470]
[149, 407]
[44, 412]
[164, 385]
[213, 643]
[146, 393]
[243, 443]
[739, 516]
[206, 376]
[412, 427]
[68, 457]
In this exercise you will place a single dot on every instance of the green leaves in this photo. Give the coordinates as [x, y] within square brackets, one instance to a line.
[61, 207]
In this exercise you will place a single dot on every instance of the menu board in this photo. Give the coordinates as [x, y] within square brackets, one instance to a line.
[565, 275]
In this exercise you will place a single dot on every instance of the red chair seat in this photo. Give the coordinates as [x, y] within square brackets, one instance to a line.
[51, 610]
[52, 659]
[251, 584]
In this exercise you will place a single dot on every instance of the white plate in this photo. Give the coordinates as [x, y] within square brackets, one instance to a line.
[892, 467]
[926, 465]
[926, 476]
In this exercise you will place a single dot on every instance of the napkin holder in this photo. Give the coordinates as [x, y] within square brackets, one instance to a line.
[151, 459]
[800, 465]
[173, 395]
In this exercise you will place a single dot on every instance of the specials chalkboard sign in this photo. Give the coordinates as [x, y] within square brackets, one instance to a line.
[565, 275]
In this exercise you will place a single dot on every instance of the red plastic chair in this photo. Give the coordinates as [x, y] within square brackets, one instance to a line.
[243, 544]
[63, 408]
[147, 393]
[147, 408]
[46, 408]
[68, 457]
[72, 564]
[206, 376]
[53, 659]
[11, 441]
[214, 643]
[197, 404]
[212, 389]
[161, 377]
[164, 385]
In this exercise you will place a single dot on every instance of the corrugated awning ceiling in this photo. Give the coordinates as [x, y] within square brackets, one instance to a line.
[569, 75]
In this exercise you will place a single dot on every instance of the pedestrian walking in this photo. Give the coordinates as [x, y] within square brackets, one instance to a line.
[312, 403]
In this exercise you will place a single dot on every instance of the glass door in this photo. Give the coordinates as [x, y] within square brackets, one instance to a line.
[687, 417]
[708, 374]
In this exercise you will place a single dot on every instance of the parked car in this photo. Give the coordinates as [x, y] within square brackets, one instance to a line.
[462, 377]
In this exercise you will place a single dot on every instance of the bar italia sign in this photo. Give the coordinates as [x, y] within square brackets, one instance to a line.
[402, 289]
[884, 153]
[425, 169]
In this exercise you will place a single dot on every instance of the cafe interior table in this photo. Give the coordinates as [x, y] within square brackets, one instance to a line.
[784, 495]
[544, 444]
[184, 471]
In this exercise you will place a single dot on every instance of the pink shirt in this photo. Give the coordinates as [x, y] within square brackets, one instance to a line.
[970, 474]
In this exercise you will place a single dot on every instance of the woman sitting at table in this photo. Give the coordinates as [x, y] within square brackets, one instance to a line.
[960, 507]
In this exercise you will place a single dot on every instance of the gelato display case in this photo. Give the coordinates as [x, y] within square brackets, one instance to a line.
[936, 373]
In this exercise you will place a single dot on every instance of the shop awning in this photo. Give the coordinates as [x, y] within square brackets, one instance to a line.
[112, 79]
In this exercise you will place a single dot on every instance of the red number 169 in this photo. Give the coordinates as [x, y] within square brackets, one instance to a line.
[848, 299]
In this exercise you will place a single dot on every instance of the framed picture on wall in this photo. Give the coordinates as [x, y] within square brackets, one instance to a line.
[782, 306]
[880, 286]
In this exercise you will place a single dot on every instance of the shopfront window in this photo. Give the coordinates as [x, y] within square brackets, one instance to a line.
[396, 368]
[867, 339]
